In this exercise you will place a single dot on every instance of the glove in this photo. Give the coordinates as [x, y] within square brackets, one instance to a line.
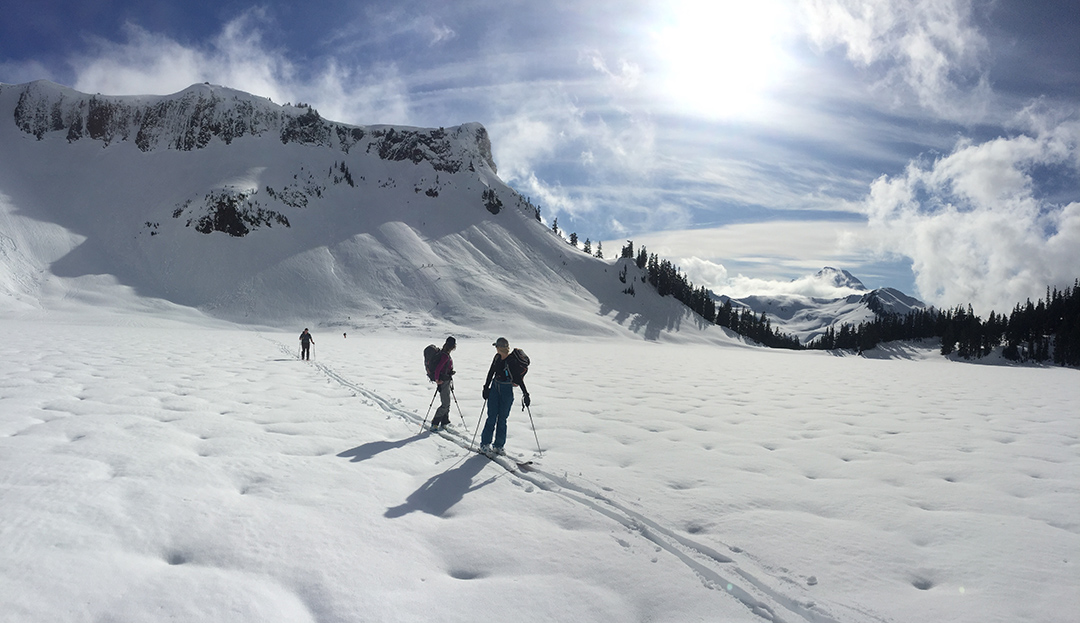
[526, 399]
[486, 392]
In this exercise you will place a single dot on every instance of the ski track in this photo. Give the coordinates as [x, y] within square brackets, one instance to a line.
[713, 568]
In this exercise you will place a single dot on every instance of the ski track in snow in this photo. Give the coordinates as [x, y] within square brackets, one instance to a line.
[715, 569]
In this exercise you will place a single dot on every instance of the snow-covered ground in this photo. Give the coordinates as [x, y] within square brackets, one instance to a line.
[165, 466]
[159, 464]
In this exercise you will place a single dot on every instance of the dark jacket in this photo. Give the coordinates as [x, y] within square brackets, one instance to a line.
[507, 370]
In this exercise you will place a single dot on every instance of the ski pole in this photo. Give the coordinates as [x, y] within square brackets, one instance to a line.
[424, 423]
[454, 394]
[529, 411]
[473, 442]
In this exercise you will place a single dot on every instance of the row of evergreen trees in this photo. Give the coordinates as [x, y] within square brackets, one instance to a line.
[1046, 331]
[668, 279]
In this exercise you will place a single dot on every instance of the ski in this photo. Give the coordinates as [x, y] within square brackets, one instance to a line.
[508, 462]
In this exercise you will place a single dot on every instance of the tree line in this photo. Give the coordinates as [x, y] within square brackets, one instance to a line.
[1047, 331]
[668, 279]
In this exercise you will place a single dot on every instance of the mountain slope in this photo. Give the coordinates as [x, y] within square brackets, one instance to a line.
[848, 302]
[221, 200]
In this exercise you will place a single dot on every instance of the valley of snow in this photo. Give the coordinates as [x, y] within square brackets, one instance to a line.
[164, 455]
[159, 465]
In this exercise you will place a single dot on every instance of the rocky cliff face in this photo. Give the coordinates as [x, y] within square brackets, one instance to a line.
[222, 200]
[200, 114]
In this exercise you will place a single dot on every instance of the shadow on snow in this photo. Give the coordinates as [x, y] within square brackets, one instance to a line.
[442, 491]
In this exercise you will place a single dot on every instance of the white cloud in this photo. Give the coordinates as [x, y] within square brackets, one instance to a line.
[26, 71]
[437, 32]
[929, 46]
[628, 76]
[551, 198]
[580, 124]
[798, 244]
[974, 225]
[783, 255]
[149, 63]
[702, 272]
[810, 286]
[380, 96]
[716, 277]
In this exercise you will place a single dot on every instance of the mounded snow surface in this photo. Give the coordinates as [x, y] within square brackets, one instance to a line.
[162, 466]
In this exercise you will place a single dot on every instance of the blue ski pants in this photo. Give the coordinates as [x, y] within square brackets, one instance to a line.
[500, 399]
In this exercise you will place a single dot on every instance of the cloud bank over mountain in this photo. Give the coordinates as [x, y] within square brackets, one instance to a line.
[976, 224]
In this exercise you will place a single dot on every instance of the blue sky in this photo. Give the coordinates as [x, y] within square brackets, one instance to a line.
[928, 145]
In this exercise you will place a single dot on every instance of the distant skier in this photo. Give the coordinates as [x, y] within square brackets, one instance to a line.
[305, 345]
[505, 373]
[442, 372]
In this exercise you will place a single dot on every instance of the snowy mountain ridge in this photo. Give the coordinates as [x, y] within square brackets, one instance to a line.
[223, 201]
[201, 113]
[807, 317]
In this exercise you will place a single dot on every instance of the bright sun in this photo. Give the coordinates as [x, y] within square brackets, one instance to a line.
[720, 56]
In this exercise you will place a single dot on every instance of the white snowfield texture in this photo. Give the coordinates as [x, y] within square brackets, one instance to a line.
[155, 469]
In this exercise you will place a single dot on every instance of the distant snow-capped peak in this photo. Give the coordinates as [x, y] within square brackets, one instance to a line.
[808, 314]
[839, 278]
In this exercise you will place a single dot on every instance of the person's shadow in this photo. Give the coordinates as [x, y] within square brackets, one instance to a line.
[442, 491]
[368, 450]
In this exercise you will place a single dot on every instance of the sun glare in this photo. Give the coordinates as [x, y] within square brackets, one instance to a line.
[720, 56]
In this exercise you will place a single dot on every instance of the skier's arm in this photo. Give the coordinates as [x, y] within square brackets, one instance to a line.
[490, 374]
[521, 384]
[519, 380]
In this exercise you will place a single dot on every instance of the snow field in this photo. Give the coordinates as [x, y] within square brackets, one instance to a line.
[154, 469]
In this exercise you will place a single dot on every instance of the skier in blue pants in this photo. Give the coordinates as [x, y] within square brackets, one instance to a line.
[505, 373]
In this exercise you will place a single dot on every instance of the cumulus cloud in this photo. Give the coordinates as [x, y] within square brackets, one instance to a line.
[703, 272]
[809, 286]
[150, 63]
[975, 224]
[822, 284]
[929, 46]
